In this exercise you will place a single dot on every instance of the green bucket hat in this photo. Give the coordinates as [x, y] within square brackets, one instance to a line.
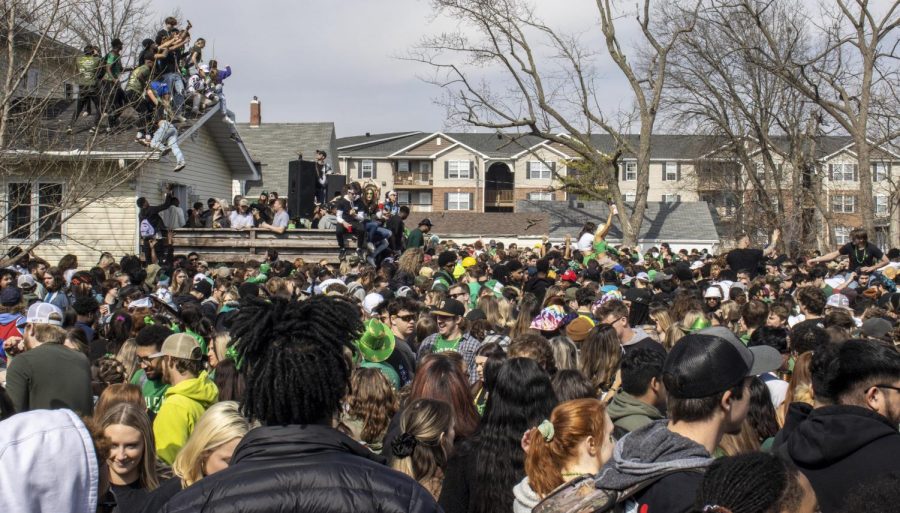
[377, 343]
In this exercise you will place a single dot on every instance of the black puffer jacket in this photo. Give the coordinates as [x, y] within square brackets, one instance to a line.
[303, 469]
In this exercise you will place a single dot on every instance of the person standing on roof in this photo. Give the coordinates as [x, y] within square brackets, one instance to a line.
[89, 70]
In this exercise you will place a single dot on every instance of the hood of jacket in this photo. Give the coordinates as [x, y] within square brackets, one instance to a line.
[525, 498]
[297, 441]
[831, 433]
[39, 450]
[625, 405]
[200, 389]
[649, 452]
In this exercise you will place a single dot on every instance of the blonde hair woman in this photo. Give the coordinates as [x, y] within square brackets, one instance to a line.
[663, 320]
[132, 455]
[422, 449]
[207, 451]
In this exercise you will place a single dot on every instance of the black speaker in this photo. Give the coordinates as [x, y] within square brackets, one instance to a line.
[301, 188]
[334, 184]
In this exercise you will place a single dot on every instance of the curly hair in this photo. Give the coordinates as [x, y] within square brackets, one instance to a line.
[373, 402]
[294, 355]
[750, 483]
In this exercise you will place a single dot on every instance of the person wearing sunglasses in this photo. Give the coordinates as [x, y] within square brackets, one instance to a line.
[402, 316]
[149, 377]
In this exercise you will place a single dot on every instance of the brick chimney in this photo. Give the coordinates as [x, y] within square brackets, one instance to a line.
[255, 113]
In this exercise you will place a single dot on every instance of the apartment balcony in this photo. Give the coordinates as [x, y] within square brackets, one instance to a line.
[498, 197]
[414, 179]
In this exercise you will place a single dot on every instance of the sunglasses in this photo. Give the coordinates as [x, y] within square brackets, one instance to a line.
[406, 318]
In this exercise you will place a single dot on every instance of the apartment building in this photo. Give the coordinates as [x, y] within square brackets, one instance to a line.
[488, 172]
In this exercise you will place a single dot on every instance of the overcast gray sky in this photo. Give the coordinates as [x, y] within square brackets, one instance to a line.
[334, 60]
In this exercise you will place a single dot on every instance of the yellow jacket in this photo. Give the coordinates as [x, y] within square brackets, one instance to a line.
[182, 406]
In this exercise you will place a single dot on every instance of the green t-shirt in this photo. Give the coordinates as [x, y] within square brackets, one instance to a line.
[87, 70]
[415, 239]
[442, 345]
[115, 66]
[152, 390]
[138, 79]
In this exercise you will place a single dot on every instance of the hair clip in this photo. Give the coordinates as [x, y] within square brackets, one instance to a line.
[546, 429]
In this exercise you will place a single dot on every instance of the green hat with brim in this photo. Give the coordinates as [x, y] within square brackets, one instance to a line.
[377, 343]
[385, 369]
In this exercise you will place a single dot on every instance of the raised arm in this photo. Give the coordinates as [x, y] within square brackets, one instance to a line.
[827, 257]
[601, 232]
[770, 249]
[568, 250]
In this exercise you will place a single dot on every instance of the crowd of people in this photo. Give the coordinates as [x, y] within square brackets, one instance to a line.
[482, 377]
[168, 81]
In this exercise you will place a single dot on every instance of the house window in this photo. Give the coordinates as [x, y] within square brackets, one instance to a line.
[459, 169]
[538, 170]
[425, 167]
[881, 205]
[403, 197]
[403, 166]
[459, 201]
[879, 171]
[843, 204]
[843, 172]
[540, 196]
[367, 169]
[841, 235]
[760, 171]
[671, 198]
[422, 198]
[18, 221]
[630, 197]
[50, 210]
[670, 173]
[32, 79]
[34, 208]
[630, 171]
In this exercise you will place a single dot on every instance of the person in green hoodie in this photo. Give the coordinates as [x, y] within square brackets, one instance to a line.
[190, 393]
[642, 398]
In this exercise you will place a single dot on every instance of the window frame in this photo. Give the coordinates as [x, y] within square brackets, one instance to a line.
[35, 224]
[400, 164]
[629, 197]
[536, 170]
[540, 196]
[458, 171]
[670, 167]
[881, 212]
[458, 203]
[666, 196]
[841, 235]
[629, 175]
[845, 169]
[880, 171]
[843, 198]
[362, 169]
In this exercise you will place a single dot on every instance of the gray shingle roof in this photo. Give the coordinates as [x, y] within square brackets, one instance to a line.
[662, 146]
[273, 145]
[664, 222]
[490, 224]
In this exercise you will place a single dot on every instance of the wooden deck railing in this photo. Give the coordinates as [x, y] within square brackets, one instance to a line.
[229, 245]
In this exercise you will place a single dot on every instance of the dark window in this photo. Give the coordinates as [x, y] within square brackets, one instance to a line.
[50, 210]
[18, 223]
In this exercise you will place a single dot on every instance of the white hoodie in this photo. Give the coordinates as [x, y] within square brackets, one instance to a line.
[48, 463]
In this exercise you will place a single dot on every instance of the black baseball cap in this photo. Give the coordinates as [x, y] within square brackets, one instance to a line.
[425, 222]
[713, 360]
[449, 308]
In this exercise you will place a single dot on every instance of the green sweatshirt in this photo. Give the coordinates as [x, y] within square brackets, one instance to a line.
[183, 405]
[628, 413]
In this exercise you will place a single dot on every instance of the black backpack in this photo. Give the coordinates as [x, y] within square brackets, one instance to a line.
[582, 495]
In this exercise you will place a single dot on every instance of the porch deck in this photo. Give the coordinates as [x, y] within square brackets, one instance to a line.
[230, 245]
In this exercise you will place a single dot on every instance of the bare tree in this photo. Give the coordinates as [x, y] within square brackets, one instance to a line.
[851, 74]
[97, 22]
[767, 129]
[519, 73]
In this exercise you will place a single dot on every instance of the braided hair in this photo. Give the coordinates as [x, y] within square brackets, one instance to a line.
[294, 353]
[750, 483]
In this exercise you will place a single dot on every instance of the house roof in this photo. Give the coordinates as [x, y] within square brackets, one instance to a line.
[508, 145]
[273, 145]
[663, 222]
[492, 224]
[51, 140]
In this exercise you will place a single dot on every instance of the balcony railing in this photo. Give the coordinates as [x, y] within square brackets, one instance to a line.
[414, 178]
[498, 197]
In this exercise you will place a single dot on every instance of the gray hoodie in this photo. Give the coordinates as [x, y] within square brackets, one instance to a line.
[525, 498]
[649, 452]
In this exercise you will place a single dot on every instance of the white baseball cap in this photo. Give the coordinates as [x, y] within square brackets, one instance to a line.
[713, 292]
[838, 301]
[44, 313]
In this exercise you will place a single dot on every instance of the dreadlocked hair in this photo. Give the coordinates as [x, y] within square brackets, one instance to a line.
[750, 483]
[293, 353]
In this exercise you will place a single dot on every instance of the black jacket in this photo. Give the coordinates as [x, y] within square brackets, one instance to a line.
[538, 286]
[838, 448]
[151, 213]
[303, 469]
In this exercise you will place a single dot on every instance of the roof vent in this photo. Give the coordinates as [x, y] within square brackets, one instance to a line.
[438, 141]
[368, 134]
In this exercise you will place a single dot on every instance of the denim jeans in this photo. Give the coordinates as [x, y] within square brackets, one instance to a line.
[167, 136]
[176, 88]
[376, 232]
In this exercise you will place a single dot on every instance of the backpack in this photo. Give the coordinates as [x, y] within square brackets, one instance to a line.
[582, 495]
[147, 230]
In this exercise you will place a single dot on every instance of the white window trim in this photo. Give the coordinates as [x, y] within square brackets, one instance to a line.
[424, 166]
[371, 168]
[419, 195]
[459, 164]
[665, 198]
[540, 196]
[844, 203]
[537, 169]
[400, 197]
[458, 201]
[841, 235]
[630, 171]
[35, 209]
[674, 170]
[880, 171]
[884, 203]
[630, 197]
[400, 164]
[842, 175]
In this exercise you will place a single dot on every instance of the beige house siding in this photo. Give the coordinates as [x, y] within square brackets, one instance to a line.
[520, 169]
[384, 173]
[458, 154]
[429, 147]
[684, 186]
